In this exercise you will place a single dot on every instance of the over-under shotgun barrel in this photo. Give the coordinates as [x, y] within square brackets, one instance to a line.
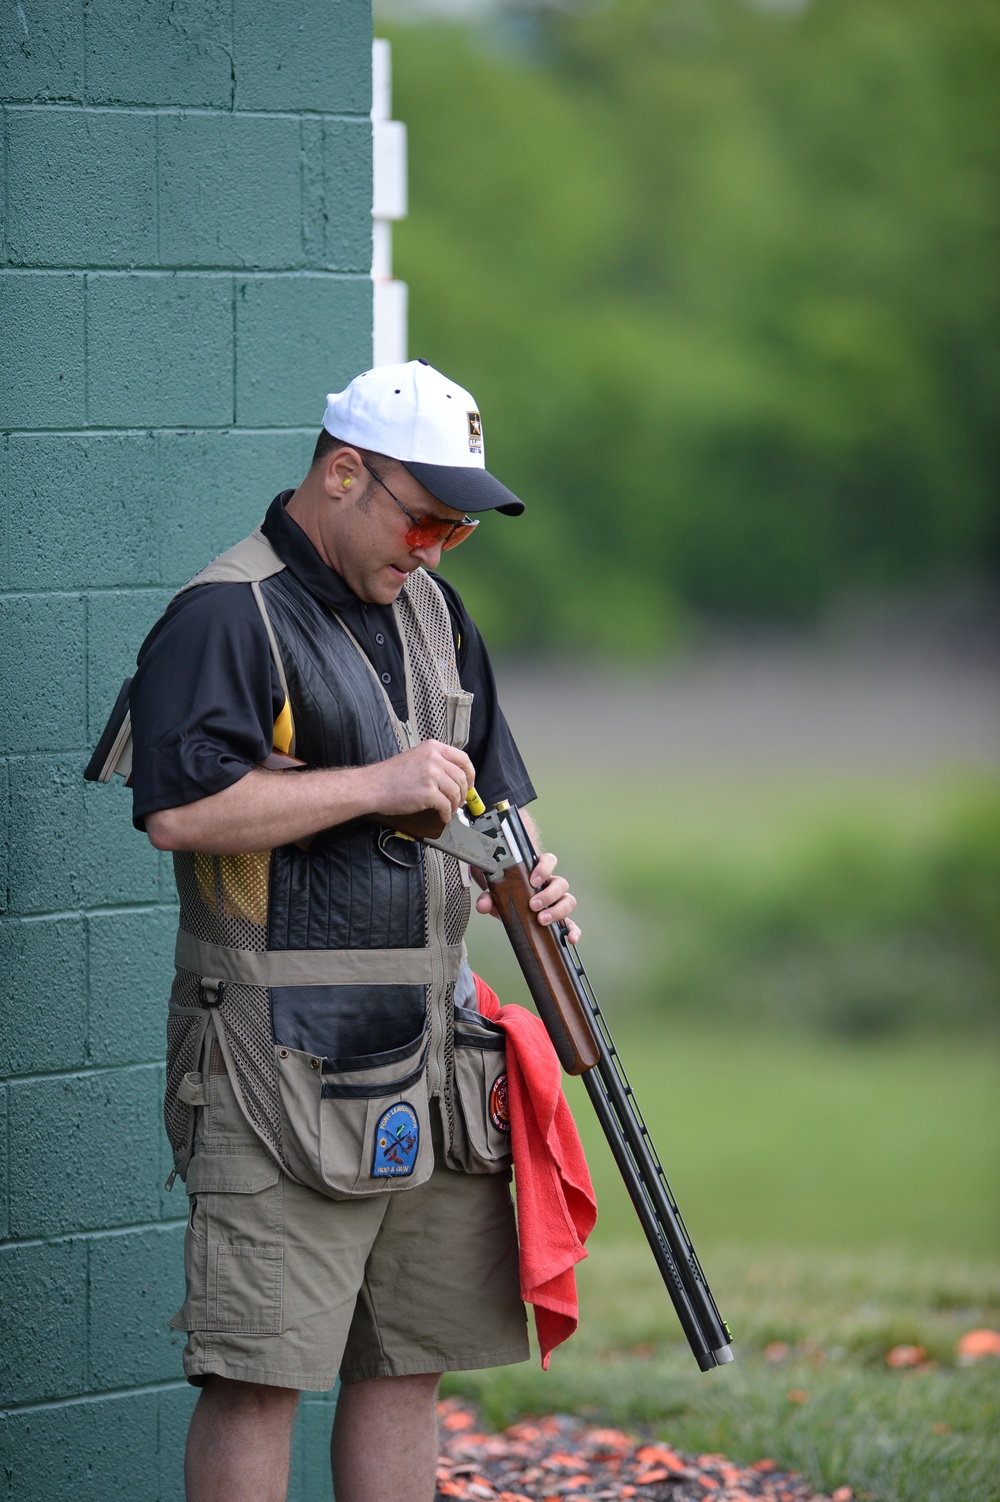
[565, 1000]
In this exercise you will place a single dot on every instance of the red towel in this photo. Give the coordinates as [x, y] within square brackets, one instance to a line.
[556, 1208]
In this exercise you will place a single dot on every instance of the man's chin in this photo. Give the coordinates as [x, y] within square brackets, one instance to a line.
[395, 578]
[386, 588]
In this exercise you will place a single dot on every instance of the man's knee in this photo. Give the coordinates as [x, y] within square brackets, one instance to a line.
[418, 1382]
[248, 1399]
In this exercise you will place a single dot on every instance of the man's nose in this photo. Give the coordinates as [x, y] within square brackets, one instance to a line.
[430, 556]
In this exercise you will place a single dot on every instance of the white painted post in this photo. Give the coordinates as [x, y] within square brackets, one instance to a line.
[388, 203]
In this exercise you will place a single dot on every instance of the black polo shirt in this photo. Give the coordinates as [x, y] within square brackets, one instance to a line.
[206, 692]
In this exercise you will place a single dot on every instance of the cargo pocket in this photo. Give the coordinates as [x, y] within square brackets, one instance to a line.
[482, 1139]
[232, 1252]
[360, 1125]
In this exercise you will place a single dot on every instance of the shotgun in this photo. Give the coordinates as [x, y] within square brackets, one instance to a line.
[497, 843]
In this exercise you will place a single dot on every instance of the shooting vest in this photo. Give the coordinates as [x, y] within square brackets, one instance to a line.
[321, 976]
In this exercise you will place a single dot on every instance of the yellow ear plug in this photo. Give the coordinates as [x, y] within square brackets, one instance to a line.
[347, 483]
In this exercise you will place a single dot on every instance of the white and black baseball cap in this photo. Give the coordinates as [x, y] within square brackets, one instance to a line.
[415, 414]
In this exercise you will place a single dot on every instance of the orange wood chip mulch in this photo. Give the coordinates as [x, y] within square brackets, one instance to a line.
[560, 1459]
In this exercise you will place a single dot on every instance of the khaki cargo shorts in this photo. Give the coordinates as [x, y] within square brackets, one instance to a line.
[290, 1288]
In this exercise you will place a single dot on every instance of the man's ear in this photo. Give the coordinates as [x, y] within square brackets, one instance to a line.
[343, 472]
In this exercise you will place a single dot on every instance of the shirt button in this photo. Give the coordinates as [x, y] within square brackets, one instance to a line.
[380, 638]
[386, 677]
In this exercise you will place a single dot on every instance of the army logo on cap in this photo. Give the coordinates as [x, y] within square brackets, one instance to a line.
[475, 433]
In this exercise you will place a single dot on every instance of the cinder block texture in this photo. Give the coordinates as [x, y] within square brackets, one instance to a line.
[3, 186]
[117, 623]
[337, 193]
[4, 835]
[42, 372]
[347, 186]
[84, 1152]
[213, 488]
[130, 967]
[136, 1281]
[44, 1350]
[230, 191]
[74, 845]
[314, 330]
[90, 1451]
[145, 52]
[3, 1163]
[82, 510]
[160, 350]
[118, 864]
[82, 188]
[185, 246]
[4, 512]
[41, 49]
[41, 671]
[303, 56]
[43, 999]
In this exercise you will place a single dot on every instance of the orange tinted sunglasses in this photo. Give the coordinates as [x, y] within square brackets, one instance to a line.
[429, 531]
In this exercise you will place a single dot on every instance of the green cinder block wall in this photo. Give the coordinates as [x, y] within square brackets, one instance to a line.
[185, 246]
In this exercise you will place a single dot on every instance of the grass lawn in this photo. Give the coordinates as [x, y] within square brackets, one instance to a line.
[809, 1143]
[831, 1407]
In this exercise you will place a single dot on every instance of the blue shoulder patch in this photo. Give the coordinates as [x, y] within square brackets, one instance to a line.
[397, 1137]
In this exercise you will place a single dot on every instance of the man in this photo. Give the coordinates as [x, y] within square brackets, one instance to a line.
[350, 1209]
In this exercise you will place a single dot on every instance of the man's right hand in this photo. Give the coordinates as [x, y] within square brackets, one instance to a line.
[431, 775]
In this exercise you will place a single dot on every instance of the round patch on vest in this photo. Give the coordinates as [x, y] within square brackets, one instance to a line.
[397, 1138]
[500, 1104]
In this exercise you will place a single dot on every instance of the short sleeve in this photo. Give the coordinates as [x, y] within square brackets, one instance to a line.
[203, 700]
[500, 771]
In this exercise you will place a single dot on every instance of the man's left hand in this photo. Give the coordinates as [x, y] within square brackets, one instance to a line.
[552, 901]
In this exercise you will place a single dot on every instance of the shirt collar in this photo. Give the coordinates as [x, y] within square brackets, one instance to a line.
[297, 553]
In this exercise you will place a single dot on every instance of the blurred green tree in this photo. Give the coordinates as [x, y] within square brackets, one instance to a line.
[724, 279]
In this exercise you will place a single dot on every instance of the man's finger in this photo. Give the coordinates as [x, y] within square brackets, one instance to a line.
[561, 909]
[551, 893]
[459, 761]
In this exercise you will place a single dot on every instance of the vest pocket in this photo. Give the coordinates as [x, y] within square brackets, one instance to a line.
[359, 1125]
[186, 1027]
[482, 1126]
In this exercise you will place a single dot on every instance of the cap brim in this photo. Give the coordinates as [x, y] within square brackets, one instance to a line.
[464, 488]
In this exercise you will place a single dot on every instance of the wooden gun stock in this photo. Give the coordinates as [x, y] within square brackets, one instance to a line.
[544, 970]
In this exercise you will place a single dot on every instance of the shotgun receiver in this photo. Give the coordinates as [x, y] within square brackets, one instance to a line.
[497, 843]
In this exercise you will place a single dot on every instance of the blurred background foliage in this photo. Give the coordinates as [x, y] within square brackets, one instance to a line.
[859, 915]
[723, 279]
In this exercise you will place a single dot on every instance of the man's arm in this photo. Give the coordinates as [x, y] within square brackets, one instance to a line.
[265, 809]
